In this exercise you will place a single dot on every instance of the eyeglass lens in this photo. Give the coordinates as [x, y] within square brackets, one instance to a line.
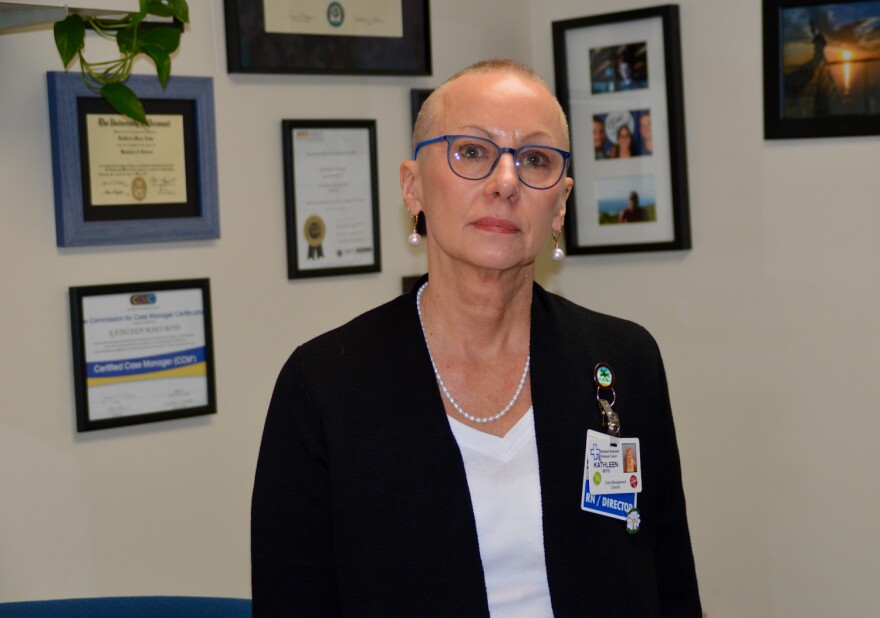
[474, 158]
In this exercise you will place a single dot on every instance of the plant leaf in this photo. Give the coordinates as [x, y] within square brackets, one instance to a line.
[163, 37]
[129, 41]
[124, 101]
[70, 36]
[136, 18]
[162, 60]
[180, 10]
[158, 8]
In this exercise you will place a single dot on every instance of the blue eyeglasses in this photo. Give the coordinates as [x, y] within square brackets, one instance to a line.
[475, 158]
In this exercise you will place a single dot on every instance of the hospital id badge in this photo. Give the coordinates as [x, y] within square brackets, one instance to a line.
[612, 465]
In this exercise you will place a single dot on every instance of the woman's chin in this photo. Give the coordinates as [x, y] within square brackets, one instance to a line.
[504, 260]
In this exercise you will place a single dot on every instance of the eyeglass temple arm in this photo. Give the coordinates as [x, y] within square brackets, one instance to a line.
[427, 142]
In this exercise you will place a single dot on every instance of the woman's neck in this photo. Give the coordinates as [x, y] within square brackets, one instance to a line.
[479, 312]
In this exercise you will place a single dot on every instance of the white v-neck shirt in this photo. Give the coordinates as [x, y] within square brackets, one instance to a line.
[502, 475]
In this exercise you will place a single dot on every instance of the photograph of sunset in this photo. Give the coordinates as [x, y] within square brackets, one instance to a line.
[831, 59]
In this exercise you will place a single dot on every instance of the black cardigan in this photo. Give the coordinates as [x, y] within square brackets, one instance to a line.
[361, 504]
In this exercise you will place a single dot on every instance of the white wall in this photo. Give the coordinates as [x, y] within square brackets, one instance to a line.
[768, 332]
[164, 508]
[766, 326]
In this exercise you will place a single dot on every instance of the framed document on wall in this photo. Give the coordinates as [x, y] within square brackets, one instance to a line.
[117, 181]
[332, 197]
[142, 352]
[379, 37]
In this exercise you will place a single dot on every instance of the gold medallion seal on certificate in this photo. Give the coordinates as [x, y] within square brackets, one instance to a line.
[314, 231]
[139, 188]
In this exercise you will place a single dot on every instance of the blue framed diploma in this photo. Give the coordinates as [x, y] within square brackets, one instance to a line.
[119, 182]
[142, 352]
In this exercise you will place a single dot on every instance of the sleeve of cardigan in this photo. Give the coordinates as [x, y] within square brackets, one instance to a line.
[292, 565]
[676, 574]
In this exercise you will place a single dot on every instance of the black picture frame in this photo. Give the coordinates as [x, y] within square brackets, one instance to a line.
[615, 71]
[77, 221]
[417, 98]
[142, 352]
[333, 226]
[819, 80]
[251, 49]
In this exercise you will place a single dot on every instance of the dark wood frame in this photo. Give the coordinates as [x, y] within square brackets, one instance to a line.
[83, 420]
[250, 49]
[293, 269]
[674, 96]
[776, 126]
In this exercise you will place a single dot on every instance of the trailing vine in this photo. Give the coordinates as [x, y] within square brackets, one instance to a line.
[133, 37]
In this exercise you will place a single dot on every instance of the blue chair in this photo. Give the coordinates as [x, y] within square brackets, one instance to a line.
[130, 607]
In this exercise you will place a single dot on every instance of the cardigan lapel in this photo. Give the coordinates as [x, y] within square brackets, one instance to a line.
[461, 564]
[564, 399]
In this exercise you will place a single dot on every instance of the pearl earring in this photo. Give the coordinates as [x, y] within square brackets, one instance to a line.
[558, 253]
[415, 239]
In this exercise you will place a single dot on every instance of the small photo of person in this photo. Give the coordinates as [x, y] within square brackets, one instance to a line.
[621, 135]
[619, 68]
[630, 458]
[646, 137]
[626, 200]
[600, 143]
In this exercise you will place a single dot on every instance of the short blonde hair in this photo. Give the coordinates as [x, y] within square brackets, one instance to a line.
[428, 112]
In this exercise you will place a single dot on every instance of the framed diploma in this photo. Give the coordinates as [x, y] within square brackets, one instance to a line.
[379, 37]
[332, 198]
[119, 182]
[618, 77]
[142, 352]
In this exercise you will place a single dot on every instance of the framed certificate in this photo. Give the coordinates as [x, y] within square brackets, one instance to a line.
[618, 77]
[332, 197]
[117, 181]
[142, 352]
[380, 37]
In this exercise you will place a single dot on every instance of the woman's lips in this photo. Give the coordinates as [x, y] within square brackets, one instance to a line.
[496, 226]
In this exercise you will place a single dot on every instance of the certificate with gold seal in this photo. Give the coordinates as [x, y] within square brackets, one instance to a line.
[130, 163]
[332, 199]
[117, 181]
[375, 18]
[132, 171]
[347, 37]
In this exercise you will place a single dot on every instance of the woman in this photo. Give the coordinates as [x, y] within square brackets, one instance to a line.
[623, 148]
[427, 458]
[633, 213]
[629, 460]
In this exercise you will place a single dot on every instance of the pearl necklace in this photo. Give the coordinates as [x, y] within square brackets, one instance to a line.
[447, 394]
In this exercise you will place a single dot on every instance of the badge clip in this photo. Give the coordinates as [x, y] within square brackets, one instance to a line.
[604, 378]
[610, 420]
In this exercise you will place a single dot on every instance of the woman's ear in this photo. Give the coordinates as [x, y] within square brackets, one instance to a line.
[559, 215]
[410, 187]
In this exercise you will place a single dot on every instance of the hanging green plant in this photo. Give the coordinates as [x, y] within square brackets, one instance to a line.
[133, 38]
